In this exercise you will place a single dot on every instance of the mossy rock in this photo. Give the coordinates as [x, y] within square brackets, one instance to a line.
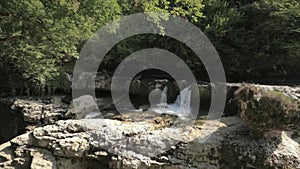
[266, 110]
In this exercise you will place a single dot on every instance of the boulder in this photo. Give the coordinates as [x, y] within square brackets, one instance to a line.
[268, 108]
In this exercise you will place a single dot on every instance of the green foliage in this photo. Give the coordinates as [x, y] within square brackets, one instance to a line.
[220, 17]
[37, 35]
[254, 38]
[265, 42]
[190, 10]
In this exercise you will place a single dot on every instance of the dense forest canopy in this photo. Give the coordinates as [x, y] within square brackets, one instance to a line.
[255, 39]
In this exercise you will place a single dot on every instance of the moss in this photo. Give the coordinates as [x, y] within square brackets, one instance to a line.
[281, 96]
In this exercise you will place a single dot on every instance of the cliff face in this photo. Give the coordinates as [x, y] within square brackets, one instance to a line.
[145, 140]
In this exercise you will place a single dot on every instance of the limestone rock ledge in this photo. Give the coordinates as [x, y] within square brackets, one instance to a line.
[106, 143]
[39, 112]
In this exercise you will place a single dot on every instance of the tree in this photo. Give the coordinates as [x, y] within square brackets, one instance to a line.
[254, 38]
[265, 41]
[36, 35]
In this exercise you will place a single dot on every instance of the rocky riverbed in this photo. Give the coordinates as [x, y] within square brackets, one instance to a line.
[51, 139]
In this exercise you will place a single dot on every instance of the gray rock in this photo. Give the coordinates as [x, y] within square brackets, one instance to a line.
[145, 140]
[104, 143]
[37, 113]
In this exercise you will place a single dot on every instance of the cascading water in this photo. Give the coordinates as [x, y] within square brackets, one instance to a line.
[181, 107]
[185, 100]
[163, 99]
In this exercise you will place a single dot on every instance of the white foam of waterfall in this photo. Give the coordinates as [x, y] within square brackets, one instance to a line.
[185, 100]
[181, 107]
[163, 99]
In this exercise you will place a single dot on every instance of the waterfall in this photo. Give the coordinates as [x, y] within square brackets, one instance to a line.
[181, 107]
[163, 99]
[184, 100]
